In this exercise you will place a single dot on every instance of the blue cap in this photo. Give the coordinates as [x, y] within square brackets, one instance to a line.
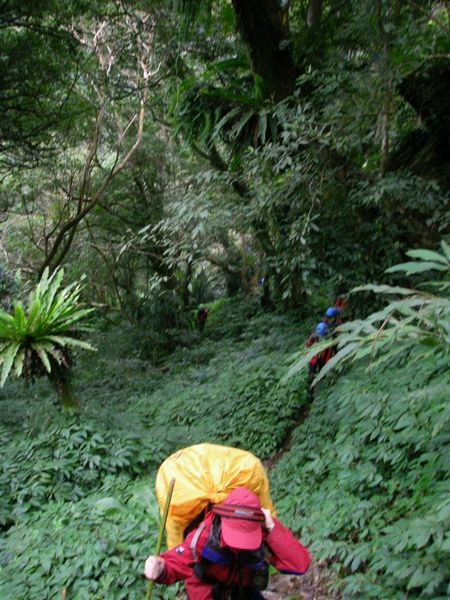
[322, 329]
[332, 312]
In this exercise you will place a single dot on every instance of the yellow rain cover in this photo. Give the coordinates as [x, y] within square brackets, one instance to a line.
[206, 473]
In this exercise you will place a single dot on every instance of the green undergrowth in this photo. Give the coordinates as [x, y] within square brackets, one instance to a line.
[367, 481]
[93, 548]
[77, 509]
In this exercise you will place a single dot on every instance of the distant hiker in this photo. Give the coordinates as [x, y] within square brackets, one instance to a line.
[227, 556]
[341, 296]
[340, 303]
[202, 315]
[319, 360]
[333, 316]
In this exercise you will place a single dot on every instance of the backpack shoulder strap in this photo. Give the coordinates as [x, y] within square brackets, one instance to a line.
[195, 539]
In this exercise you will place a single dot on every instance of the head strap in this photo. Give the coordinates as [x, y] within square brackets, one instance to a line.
[234, 511]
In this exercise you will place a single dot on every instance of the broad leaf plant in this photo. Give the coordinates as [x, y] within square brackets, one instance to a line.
[414, 319]
[36, 341]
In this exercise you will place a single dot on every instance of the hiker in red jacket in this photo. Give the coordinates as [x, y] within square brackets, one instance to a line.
[333, 317]
[341, 304]
[319, 360]
[227, 557]
[202, 315]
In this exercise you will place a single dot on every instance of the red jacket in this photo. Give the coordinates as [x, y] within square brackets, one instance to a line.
[287, 555]
[323, 357]
[311, 341]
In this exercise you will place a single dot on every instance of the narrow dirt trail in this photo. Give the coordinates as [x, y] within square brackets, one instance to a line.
[316, 583]
[287, 441]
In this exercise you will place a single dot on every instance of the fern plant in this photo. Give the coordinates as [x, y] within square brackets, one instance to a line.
[415, 319]
[37, 341]
[208, 110]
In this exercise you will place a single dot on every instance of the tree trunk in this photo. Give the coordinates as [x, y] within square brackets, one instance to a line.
[63, 389]
[314, 13]
[264, 29]
[64, 238]
[383, 125]
[187, 283]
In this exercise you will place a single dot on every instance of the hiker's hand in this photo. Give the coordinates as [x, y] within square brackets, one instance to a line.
[268, 521]
[154, 567]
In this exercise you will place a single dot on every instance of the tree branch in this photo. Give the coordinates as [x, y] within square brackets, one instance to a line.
[71, 224]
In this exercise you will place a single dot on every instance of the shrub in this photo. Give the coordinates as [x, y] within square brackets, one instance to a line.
[94, 548]
[65, 463]
[366, 482]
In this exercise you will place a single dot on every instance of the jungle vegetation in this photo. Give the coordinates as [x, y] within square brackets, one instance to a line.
[260, 158]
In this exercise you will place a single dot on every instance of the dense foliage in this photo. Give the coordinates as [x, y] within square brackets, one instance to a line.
[203, 163]
[375, 449]
[261, 157]
[414, 320]
[366, 481]
[77, 502]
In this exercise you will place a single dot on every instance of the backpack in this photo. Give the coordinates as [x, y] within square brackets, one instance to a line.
[206, 474]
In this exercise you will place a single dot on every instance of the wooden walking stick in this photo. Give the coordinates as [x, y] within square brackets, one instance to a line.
[161, 533]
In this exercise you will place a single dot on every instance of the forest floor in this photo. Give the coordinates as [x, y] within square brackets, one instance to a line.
[229, 379]
[316, 584]
[77, 503]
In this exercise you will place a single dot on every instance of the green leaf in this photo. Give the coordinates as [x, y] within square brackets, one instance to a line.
[411, 268]
[239, 126]
[428, 255]
[34, 312]
[63, 340]
[108, 504]
[384, 289]
[41, 352]
[337, 358]
[19, 361]
[229, 63]
[446, 249]
[419, 578]
[7, 358]
[19, 317]
[305, 356]
[262, 127]
[405, 421]
[224, 120]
